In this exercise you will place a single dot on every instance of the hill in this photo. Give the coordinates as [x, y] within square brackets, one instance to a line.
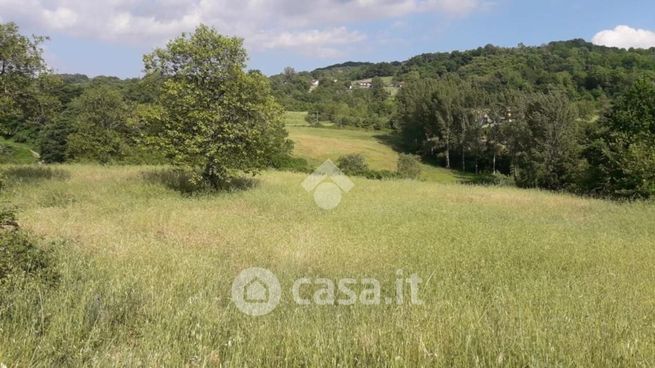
[580, 69]
[319, 144]
[146, 275]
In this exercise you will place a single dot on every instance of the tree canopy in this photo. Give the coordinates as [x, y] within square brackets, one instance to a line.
[212, 115]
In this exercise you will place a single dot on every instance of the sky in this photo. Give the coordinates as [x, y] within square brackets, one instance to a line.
[110, 37]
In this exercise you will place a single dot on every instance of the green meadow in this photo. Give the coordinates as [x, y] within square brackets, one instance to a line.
[509, 277]
[317, 144]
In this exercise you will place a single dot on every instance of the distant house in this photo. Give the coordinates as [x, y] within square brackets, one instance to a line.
[314, 85]
[363, 83]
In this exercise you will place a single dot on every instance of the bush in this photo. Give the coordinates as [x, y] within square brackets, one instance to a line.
[503, 180]
[7, 217]
[289, 163]
[19, 256]
[496, 179]
[409, 167]
[381, 175]
[353, 164]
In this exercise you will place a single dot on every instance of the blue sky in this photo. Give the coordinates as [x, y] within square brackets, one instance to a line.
[110, 38]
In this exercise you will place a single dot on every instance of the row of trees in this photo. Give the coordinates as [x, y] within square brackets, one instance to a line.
[540, 139]
[343, 105]
[486, 110]
[334, 100]
[196, 108]
[591, 76]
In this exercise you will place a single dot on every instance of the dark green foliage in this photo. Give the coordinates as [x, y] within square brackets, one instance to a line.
[587, 74]
[290, 163]
[353, 164]
[409, 166]
[28, 100]
[54, 141]
[535, 137]
[545, 144]
[8, 217]
[100, 126]
[496, 179]
[622, 154]
[291, 89]
[19, 256]
[184, 181]
[380, 175]
[212, 116]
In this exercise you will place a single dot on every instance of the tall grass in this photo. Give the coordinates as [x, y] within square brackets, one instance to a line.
[511, 278]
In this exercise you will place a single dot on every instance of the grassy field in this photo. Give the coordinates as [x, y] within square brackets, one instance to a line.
[512, 278]
[319, 144]
[15, 153]
[295, 118]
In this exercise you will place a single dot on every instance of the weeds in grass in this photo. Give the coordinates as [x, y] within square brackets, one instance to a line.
[31, 174]
[513, 278]
[184, 181]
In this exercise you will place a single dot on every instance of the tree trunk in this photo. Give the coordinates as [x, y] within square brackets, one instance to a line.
[447, 149]
[215, 176]
[447, 155]
[463, 159]
[494, 163]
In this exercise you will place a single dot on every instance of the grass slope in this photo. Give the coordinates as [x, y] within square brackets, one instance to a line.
[15, 153]
[512, 278]
[319, 144]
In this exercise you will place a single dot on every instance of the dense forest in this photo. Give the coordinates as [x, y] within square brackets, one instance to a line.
[587, 74]
[555, 116]
[563, 116]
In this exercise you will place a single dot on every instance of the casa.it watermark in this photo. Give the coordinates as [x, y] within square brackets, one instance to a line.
[328, 184]
[257, 291]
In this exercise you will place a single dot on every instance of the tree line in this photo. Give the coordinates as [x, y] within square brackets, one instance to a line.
[590, 76]
[540, 140]
[196, 108]
[564, 116]
[554, 116]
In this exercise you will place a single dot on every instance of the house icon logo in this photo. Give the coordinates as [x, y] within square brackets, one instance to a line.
[256, 292]
[327, 193]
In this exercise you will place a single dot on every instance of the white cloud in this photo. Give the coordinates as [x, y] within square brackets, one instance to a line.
[625, 37]
[317, 27]
[320, 43]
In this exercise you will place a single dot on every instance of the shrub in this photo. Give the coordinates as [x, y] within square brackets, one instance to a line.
[353, 164]
[19, 256]
[381, 175]
[496, 179]
[185, 181]
[408, 167]
[294, 164]
[7, 218]
[503, 180]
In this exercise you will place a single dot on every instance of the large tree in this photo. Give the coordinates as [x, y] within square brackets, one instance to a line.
[25, 99]
[545, 143]
[622, 156]
[213, 116]
[99, 120]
